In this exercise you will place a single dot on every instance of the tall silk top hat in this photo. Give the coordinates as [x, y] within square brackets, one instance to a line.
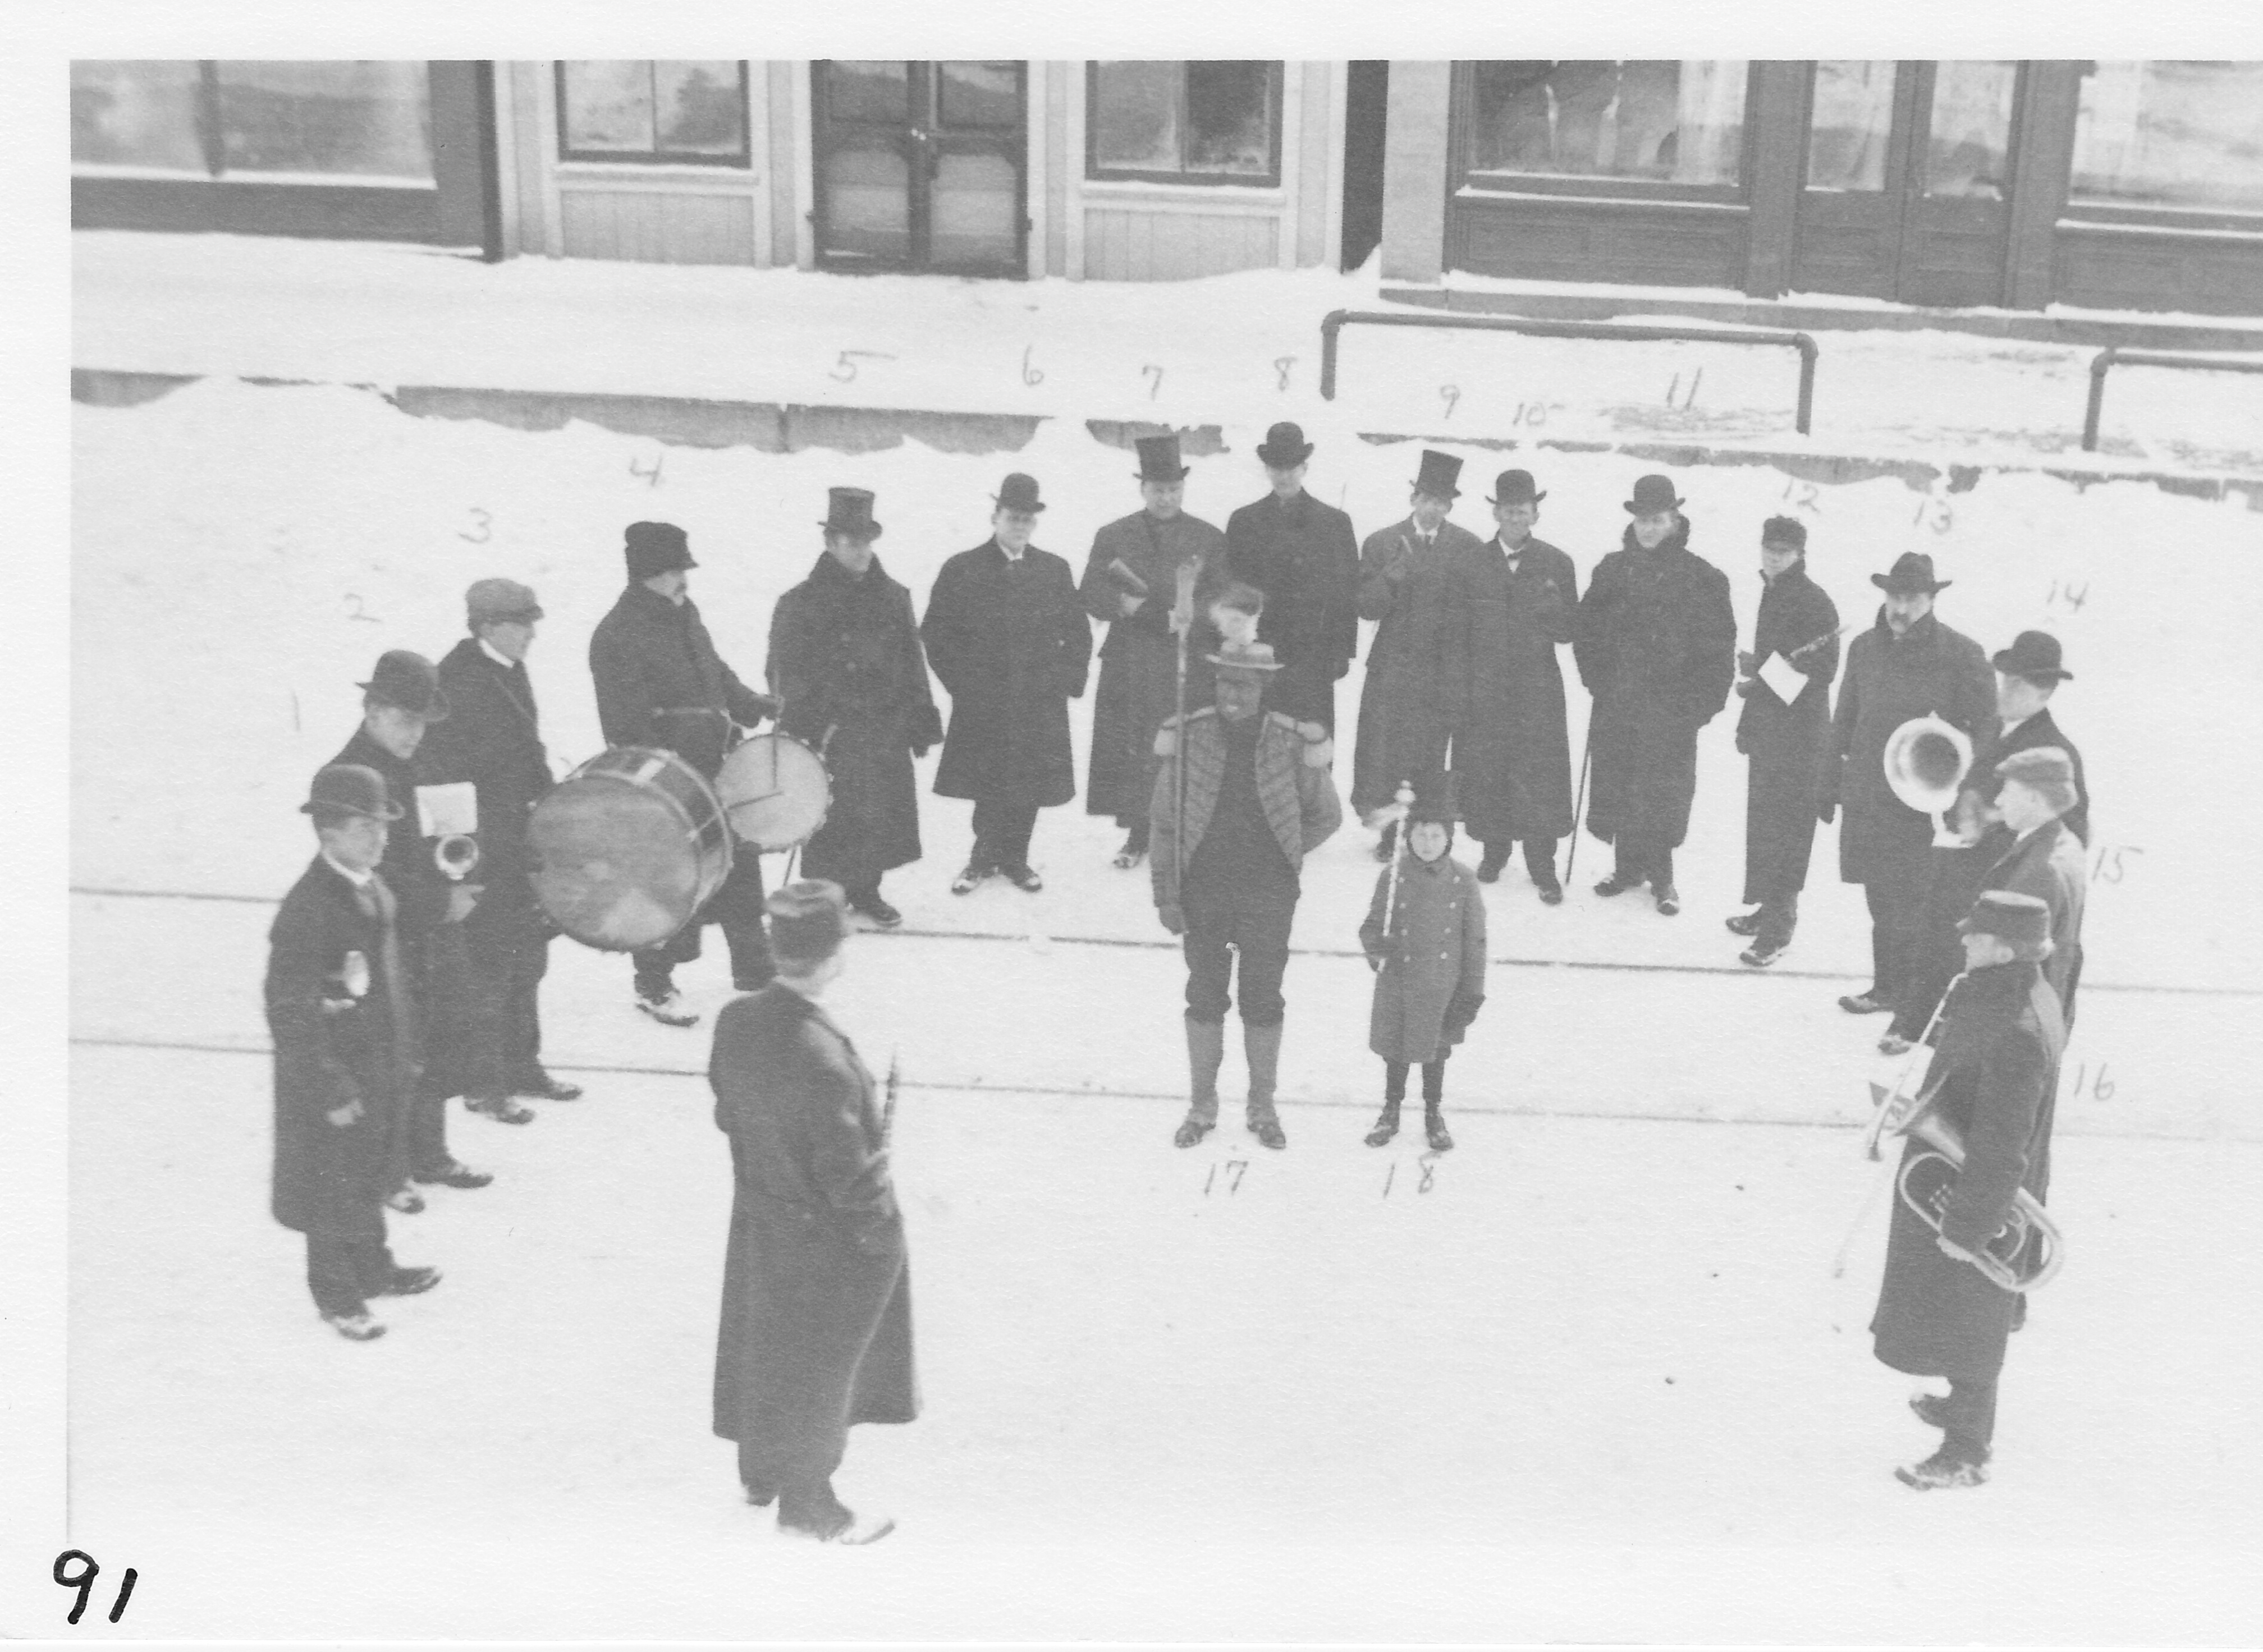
[1159, 458]
[655, 548]
[1912, 575]
[809, 919]
[408, 682]
[1244, 659]
[1019, 493]
[848, 511]
[1285, 447]
[1514, 487]
[2021, 922]
[2034, 655]
[344, 789]
[1653, 495]
[1440, 475]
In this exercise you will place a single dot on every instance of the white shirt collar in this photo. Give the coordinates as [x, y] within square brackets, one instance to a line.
[489, 650]
[1010, 556]
[360, 879]
[2015, 722]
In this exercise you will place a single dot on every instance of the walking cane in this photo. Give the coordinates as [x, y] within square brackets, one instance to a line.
[1183, 621]
[888, 1107]
[1579, 803]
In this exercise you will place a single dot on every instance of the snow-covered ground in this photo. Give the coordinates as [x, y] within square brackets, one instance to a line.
[1597, 1382]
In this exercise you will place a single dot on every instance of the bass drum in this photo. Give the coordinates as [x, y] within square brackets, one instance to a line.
[628, 849]
[775, 791]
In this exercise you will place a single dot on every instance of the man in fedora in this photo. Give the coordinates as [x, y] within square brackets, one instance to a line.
[2027, 674]
[1131, 584]
[1012, 647]
[661, 683]
[1258, 799]
[401, 700]
[345, 1052]
[1412, 578]
[1656, 643]
[1512, 765]
[1302, 556]
[851, 678]
[1907, 665]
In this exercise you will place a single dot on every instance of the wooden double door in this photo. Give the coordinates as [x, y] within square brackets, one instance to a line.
[921, 166]
[1907, 187]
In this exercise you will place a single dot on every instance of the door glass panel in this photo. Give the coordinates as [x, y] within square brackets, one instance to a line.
[136, 114]
[867, 202]
[868, 92]
[1971, 130]
[360, 119]
[980, 95]
[1854, 114]
[971, 212]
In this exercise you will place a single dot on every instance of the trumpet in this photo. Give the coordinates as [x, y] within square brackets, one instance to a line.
[456, 854]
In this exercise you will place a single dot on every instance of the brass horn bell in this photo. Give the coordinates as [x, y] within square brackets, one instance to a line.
[1926, 762]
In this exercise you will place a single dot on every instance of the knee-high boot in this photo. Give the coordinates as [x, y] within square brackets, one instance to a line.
[1205, 1053]
[1263, 1046]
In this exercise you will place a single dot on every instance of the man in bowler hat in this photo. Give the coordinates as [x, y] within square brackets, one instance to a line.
[661, 683]
[1302, 556]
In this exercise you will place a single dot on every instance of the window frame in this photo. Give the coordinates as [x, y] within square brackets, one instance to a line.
[743, 161]
[1275, 87]
[1474, 179]
[2079, 211]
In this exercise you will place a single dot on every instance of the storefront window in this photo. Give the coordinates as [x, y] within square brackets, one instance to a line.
[1853, 114]
[1207, 122]
[220, 119]
[1671, 122]
[1970, 141]
[653, 111]
[2186, 135]
[140, 114]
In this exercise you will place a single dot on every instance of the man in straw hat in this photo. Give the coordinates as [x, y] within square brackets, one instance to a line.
[1997, 1070]
[851, 678]
[1656, 643]
[816, 1328]
[1907, 665]
[1012, 648]
[345, 1053]
[1131, 583]
[1411, 584]
[1302, 556]
[1228, 855]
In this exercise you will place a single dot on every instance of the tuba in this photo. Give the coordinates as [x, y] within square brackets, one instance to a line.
[1927, 761]
[2025, 1256]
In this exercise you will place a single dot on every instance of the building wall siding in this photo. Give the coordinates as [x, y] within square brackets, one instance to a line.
[1151, 244]
[656, 227]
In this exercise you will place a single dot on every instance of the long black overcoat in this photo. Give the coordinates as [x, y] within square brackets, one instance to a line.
[1139, 658]
[1889, 680]
[1789, 744]
[1410, 703]
[847, 666]
[493, 738]
[1302, 555]
[1999, 1058]
[1512, 751]
[816, 1331]
[1656, 643]
[661, 683]
[1012, 648]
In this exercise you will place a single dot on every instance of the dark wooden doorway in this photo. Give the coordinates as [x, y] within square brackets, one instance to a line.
[922, 166]
[1367, 100]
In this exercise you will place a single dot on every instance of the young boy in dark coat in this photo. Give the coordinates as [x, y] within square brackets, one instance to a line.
[1425, 939]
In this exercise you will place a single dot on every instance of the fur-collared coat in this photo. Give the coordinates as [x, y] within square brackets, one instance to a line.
[1293, 786]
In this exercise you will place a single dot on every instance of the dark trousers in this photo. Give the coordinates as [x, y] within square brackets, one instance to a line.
[737, 907]
[805, 1502]
[1779, 916]
[344, 1273]
[1539, 855]
[1135, 831]
[1434, 1082]
[1001, 833]
[1644, 856]
[423, 1135]
[1251, 919]
[508, 949]
[1971, 1410]
[1896, 903]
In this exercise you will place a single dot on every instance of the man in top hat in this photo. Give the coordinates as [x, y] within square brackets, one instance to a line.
[345, 1053]
[401, 700]
[661, 683]
[1907, 664]
[493, 738]
[816, 1324]
[1302, 555]
[1258, 798]
[1512, 758]
[1131, 583]
[1012, 647]
[851, 678]
[1997, 1077]
[1411, 584]
[1656, 642]
[1788, 741]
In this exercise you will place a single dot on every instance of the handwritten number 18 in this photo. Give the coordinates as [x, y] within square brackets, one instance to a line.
[83, 1580]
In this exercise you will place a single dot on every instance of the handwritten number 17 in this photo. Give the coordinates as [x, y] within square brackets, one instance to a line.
[83, 1580]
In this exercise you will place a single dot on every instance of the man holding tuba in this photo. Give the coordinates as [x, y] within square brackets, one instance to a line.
[1993, 1079]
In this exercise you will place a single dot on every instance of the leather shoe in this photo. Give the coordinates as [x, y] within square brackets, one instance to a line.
[1023, 878]
[406, 1200]
[1552, 893]
[354, 1327]
[1617, 883]
[1491, 864]
[1864, 1004]
[1669, 899]
[1942, 1472]
[1192, 1129]
[455, 1173]
[408, 1282]
[852, 1530]
[543, 1087]
[1932, 1409]
[1745, 923]
[499, 1107]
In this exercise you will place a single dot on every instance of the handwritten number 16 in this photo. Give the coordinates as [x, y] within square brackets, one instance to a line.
[83, 1580]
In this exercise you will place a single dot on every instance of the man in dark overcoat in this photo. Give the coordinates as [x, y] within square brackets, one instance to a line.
[1788, 743]
[493, 738]
[399, 702]
[1656, 643]
[1511, 754]
[1907, 665]
[1996, 1069]
[1012, 647]
[851, 677]
[816, 1329]
[661, 683]
[1302, 555]
[1131, 584]
[343, 1031]
[1410, 583]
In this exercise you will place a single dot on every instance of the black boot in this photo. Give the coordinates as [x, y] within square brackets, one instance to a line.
[1433, 1096]
[1492, 861]
[1386, 1124]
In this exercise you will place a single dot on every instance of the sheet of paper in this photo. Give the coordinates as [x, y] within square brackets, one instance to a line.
[1783, 678]
[445, 810]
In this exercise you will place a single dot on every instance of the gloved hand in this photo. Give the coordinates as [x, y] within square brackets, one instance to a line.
[461, 898]
[926, 731]
[1174, 919]
[1747, 662]
[1825, 810]
[348, 1115]
[1461, 1010]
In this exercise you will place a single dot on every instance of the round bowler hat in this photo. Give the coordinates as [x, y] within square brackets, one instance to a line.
[1653, 495]
[2034, 655]
[408, 682]
[1912, 575]
[500, 602]
[1285, 447]
[348, 788]
[1019, 493]
[1514, 487]
[655, 548]
[1787, 533]
[809, 919]
[848, 511]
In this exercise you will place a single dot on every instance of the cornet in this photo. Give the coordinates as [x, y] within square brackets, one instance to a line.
[456, 854]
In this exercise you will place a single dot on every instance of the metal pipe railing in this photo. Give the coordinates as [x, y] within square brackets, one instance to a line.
[2114, 356]
[1337, 321]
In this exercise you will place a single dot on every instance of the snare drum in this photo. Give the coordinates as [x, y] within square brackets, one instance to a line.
[628, 849]
[775, 790]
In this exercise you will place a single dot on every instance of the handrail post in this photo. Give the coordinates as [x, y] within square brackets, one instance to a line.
[1808, 353]
[2098, 364]
[1331, 327]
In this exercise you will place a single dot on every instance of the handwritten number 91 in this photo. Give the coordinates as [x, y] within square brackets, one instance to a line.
[83, 1578]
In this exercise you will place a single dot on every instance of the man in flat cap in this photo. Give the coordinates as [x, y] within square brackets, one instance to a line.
[1995, 1078]
[851, 678]
[399, 702]
[816, 1325]
[1011, 646]
[1410, 583]
[661, 683]
[1907, 665]
[1512, 764]
[493, 738]
[345, 1053]
[1230, 841]
[1656, 642]
[1301, 555]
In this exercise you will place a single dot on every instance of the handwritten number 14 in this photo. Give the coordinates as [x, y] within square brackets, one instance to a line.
[83, 1578]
